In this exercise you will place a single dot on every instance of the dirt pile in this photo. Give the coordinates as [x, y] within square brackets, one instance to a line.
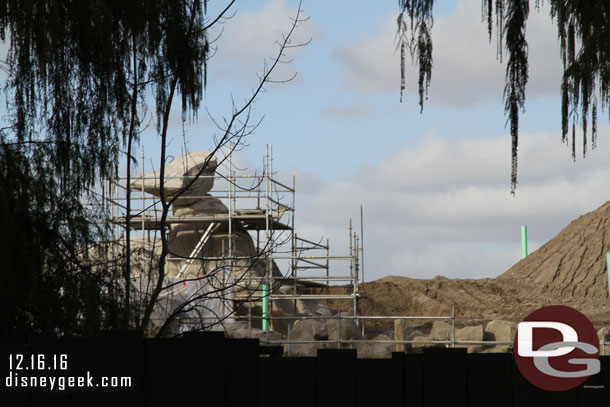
[570, 269]
[573, 263]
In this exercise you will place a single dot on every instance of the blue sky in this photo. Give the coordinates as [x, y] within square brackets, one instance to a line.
[434, 186]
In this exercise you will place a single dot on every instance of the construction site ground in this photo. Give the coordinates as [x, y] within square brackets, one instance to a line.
[476, 301]
[570, 269]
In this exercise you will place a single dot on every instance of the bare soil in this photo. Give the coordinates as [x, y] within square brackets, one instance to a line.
[570, 269]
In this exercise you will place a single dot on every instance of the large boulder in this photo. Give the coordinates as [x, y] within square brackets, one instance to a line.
[501, 331]
[441, 331]
[422, 341]
[203, 207]
[470, 334]
[312, 307]
[375, 350]
[176, 176]
[309, 330]
[412, 333]
[349, 329]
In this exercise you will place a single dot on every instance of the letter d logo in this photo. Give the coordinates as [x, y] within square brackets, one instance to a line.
[526, 342]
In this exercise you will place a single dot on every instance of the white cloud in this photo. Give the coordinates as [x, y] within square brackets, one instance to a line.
[250, 36]
[465, 67]
[444, 207]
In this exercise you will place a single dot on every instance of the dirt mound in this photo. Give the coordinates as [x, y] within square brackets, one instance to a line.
[573, 263]
[570, 269]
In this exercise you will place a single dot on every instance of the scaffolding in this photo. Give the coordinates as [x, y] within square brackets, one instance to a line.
[263, 208]
[258, 205]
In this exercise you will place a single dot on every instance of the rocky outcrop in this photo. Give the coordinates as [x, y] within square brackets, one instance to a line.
[321, 333]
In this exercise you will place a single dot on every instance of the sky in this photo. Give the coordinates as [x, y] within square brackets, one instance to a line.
[435, 185]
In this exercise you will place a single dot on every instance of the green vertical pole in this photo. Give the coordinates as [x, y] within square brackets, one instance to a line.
[523, 242]
[608, 265]
[265, 306]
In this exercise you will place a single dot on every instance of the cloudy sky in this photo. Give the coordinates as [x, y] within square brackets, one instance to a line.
[435, 186]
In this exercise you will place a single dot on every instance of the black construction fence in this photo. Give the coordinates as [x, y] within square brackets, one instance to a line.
[207, 369]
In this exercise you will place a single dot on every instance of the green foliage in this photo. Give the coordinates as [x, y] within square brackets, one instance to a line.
[584, 36]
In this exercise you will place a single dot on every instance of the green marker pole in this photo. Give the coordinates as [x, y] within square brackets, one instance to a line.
[265, 306]
[608, 265]
[523, 242]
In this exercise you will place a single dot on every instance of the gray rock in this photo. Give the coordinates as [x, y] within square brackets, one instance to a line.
[420, 342]
[375, 350]
[470, 333]
[604, 334]
[499, 330]
[412, 333]
[441, 331]
[349, 329]
[307, 349]
[309, 330]
[312, 307]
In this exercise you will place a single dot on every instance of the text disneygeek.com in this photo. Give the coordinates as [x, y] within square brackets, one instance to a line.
[17, 381]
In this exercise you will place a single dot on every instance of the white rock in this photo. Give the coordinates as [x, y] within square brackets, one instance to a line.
[185, 165]
[201, 207]
[499, 330]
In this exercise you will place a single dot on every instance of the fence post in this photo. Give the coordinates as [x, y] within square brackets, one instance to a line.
[399, 334]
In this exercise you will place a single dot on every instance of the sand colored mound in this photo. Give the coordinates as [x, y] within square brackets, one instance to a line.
[570, 269]
[573, 263]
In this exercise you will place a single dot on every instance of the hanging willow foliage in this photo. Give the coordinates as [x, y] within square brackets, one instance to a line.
[584, 37]
[414, 24]
[70, 67]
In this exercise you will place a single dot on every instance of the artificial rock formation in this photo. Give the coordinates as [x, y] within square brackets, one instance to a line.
[196, 211]
[179, 174]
